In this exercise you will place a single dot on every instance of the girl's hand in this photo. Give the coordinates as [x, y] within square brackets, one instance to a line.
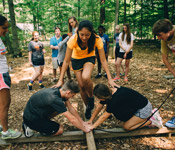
[44, 51]
[59, 84]
[112, 83]
[125, 55]
[30, 63]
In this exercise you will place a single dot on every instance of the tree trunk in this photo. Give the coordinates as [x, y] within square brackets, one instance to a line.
[102, 12]
[16, 49]
[166, 9]
[78, 10]
[124, 20]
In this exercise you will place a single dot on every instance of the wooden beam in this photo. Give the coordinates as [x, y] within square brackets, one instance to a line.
[89, 136]
[79, 135]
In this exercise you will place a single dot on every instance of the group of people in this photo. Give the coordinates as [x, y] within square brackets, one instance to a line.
[82, 45]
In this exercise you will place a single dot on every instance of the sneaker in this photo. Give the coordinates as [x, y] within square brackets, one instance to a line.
[0, 128]
[27, 131]
[171, 123]
[156, 119]
[98, 76]
[10, 135]
[54, 80]
[105, 76]
[29, 87]
[41, 85]
[116, 78]
[125, 79]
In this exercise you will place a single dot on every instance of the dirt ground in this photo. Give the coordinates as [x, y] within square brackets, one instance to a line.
[145, 76]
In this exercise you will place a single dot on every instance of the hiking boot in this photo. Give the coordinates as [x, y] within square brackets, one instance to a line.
[29, 87]
[89, 108]
[156, 119]
[27, 131]
[41, 85]
[10, 135]
[98, 76]
[170, 123]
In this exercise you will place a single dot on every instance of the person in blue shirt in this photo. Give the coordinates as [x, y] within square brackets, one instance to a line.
[54, 41]
[105, 38]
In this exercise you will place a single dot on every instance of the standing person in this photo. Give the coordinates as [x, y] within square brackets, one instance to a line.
[72, 25]
[165, 32]
[48, 103]
[81, 51]
[54, 41]
[36, 59]
[5, 83]
[117, 47]
[62, 51]
[126, 105]
[105, 39]
[126, 40]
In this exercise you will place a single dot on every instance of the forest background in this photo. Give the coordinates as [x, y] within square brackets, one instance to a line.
[44, 15]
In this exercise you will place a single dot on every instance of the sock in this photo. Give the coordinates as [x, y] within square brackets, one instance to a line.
[31, 83]
[99, 73]
[40, 81]
[4, 133]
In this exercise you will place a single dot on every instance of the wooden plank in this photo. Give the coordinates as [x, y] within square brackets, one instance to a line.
[79, 135]
[66, 136]
[168, 76]
[120, 132]
[89, 136]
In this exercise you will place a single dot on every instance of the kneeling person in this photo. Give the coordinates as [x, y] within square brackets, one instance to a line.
[126, 105]
[46, 104]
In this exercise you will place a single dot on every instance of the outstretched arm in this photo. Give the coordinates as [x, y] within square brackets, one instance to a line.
[168, 64]
[106, 68]
[96, 112]
[100, 120]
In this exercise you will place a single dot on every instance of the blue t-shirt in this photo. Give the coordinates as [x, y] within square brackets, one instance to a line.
[55, 42]
[105, 39]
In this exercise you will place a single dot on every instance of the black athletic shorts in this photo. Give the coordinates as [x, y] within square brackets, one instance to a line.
[44, 126]
[117, 49]
[77, 64]
[121, 54]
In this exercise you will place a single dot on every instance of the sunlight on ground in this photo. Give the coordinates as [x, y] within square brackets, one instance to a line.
[160, 69]
[161, 91]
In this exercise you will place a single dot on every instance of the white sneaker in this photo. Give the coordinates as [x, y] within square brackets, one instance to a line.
[156, 119]
[27, 131]
[10, 135]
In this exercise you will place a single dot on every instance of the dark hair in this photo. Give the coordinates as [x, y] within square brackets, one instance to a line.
[69, 26]
[72, 86]
[57, 28]
[163, 25]
[128, 34]
[64, 36]
[91, 41]
[2, 20]
[102, 91]
[101, 27]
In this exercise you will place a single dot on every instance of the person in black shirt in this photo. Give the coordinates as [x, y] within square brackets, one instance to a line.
[126, 105]
[46, 104]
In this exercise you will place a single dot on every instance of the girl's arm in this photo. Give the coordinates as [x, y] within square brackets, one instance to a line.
[96, 112]
[105, 66]
[64, 67]
[100, 120]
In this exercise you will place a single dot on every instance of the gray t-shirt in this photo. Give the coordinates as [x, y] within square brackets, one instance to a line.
[37, 55]
[3, 60]
[43, 104]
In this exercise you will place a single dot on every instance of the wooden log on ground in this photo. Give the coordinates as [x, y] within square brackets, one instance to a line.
[89, 136]
[79, 135]
[168, 76]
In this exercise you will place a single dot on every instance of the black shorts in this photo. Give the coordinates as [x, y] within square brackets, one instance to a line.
[44, 126]
[60, 64]
[121, 54]
[116, 51]
[5, 81]
[77, 64]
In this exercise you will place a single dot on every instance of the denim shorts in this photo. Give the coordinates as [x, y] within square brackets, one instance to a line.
[145, 112]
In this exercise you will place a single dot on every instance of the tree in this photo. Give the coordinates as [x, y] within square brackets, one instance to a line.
[16, 50]
[102, 12]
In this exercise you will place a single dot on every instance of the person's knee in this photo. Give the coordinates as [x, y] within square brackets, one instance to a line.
[60, 131]
[127, 127]
[86, 79]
